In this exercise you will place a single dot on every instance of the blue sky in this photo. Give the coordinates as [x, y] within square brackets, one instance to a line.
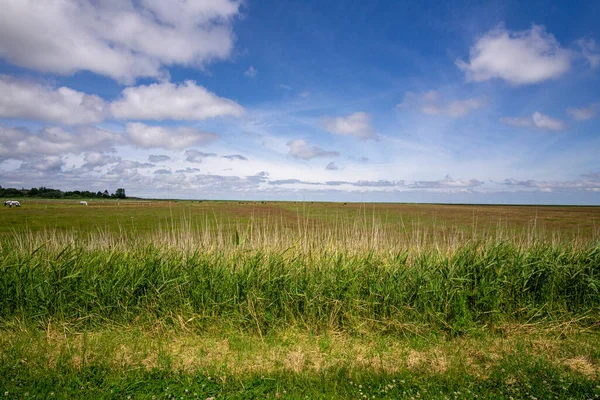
[340, 100]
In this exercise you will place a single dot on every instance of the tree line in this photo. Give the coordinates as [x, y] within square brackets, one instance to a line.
[48, 193]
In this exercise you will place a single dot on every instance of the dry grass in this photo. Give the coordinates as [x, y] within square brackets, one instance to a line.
[297, 352]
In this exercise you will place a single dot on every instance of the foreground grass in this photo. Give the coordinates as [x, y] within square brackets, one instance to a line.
[256, 306]
[117, 363]
[472, 286]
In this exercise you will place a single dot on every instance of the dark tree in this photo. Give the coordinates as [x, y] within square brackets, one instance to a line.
[120, 193]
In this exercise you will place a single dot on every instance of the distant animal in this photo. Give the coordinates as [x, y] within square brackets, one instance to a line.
[11, 203]
[83, 203]
[8, 203]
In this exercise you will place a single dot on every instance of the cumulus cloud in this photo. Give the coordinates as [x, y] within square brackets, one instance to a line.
[520, 58]
[537, 120]
[583, 113]
[18, 142]
[332, 166]
[301, 149]
[162, 171]
[44, 164]
[357, 124]
[128, 167]
[197, 156]
[160, 101]
[156, 158]
[251, 72]
[95, 159]
[21, 99]
[235, 157]
[447, 183]
[120, 39]
[431, 103]
[166, 137]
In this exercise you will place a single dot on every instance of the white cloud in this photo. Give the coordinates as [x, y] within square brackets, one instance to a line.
[583, 113]
[580, 184]
[429, 103]
[21, 99]
[251, 72]
[301, 149]
[159, 101]
[44, 164]
[520, 58]
[357, 124]
[537, 120]
[545, 122]
[146, 136]
[16, 142]
[447, 183]
[120, 39]
[197, 156]
[95, 159]
[590, 51]
[128, 168]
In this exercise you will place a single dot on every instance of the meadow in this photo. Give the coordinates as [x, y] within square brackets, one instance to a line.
[201, 299]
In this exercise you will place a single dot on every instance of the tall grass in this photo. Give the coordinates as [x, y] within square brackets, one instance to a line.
[345, 275]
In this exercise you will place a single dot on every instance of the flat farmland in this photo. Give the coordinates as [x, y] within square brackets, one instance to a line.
[225, 299]
[145, 216]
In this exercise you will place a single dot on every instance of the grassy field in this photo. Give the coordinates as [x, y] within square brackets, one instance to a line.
[158, 299]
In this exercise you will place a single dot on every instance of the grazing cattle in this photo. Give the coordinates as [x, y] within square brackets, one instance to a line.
[12, 203]
[8, 203]
[83, 203]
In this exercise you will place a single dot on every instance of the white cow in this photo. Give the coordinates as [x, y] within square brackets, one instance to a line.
[12, 203]
[8, 203]
[83, 203]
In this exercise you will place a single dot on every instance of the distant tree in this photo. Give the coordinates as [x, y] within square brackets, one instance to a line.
[99, 194]
[12, 192]
[120, 193]
[106, 194]
[33, 192]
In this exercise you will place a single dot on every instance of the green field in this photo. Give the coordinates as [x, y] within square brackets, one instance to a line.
[158, 299]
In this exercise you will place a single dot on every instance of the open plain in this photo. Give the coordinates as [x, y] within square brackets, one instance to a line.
[201, 299]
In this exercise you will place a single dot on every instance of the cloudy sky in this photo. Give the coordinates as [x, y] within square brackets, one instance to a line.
[303, 100]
